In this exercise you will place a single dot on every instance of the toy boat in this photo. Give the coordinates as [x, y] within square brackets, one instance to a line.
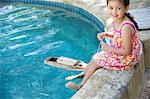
[66, 63]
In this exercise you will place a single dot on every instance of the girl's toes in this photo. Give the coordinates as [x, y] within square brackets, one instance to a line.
[73, 86]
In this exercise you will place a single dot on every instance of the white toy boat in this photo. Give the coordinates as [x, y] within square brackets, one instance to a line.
[65, 63]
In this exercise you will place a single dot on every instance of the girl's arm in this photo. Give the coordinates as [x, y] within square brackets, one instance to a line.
[103, 35]
[127, 42]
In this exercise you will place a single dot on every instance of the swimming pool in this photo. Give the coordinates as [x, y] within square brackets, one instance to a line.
[29, 34]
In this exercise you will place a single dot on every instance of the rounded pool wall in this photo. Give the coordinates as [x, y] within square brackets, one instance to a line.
[68, 7]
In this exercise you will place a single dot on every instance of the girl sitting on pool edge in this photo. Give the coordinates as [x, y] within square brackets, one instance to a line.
[123, 52]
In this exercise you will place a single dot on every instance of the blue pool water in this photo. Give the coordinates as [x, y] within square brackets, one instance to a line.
[29, 34]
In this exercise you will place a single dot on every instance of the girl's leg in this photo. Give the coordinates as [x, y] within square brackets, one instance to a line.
[89, 64]
[93, 66]
[88, 73]
[81, 75]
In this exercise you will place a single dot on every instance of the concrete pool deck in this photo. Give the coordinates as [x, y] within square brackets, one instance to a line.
[140, 9]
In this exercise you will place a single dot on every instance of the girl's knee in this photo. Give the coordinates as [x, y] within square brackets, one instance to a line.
[96, 65]
[92, 61]
[93, 64]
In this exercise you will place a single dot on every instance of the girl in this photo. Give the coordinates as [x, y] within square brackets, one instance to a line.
[123, 53]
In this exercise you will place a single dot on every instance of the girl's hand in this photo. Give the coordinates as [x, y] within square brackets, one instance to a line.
[105, 47]
[103, 35]
[100, 36]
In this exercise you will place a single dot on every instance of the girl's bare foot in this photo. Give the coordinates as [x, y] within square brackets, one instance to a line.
[73, 86]
[81, 75]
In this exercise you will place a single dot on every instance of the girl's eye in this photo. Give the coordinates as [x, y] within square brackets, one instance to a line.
[119, 8]
[111, 8]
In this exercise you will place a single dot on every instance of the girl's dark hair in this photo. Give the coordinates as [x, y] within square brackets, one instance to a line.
[126, 3]
[132, 20]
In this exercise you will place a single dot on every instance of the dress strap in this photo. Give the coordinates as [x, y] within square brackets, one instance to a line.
[129, 23]
[113, 25]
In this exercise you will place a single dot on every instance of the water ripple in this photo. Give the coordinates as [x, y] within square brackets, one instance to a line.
[44, 94]
[45, 48]
[50, 34]
[2, 35]
[6, 28]
[21, 13]
[7, 9]
[18, 37]
[19, 45]
[24, 28]
[16, 46]
[25, 19]
[20, 69]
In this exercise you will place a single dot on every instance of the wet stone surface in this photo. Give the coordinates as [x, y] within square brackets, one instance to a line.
[146, 92]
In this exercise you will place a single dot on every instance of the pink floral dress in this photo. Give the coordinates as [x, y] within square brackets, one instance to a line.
[115, 61]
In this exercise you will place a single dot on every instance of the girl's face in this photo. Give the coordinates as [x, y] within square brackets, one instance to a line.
[116, 10]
